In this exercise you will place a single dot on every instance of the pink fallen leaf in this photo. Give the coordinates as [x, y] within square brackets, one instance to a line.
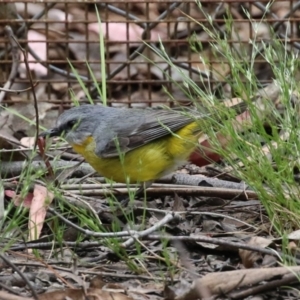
[28, 142]
[37, 42]
[26, 201]
[124, 32]
[10, 193]
[41, 199]
[18, 200]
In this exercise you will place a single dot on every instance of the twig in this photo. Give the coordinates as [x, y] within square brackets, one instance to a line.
[155, 237]
[190, 191]
[16, 91]
[166, 219]
[7, 296]
[52, 244]
[10, 289]
[87, 186]
[222, 216]
[32, 87]
[7, 261]
[200, 180]
[41, 145]
[48, 266]
[15, 62]
[287, 279]
[85, 271]
[2, 210]
[133, 233]
[92, 233]
[215, 241]
[15, 168]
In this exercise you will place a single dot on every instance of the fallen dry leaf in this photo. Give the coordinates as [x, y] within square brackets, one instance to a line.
[252, 259]
[79, 294]
[6, 296]
[41, 199]
[28, 142]
[18, 200]
[220, 283]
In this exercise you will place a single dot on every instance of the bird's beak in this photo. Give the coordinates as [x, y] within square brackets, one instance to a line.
[51, 132]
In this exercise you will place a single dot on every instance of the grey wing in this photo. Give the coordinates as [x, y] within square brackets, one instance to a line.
[154, 125]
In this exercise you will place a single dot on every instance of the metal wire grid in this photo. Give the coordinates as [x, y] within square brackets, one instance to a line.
[131, 78]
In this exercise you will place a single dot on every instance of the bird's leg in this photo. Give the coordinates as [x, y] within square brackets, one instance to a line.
[139, 191]
[143, 187]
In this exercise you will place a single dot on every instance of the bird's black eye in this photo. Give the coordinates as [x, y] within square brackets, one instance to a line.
[71, 124]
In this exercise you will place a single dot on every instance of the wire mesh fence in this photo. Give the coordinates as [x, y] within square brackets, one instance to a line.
[58, 34]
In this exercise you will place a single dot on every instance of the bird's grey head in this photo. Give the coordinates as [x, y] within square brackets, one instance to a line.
[77, 123]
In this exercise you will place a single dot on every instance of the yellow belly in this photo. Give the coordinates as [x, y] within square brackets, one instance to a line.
[145, 163]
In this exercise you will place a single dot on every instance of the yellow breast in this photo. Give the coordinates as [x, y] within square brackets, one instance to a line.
[145, 163]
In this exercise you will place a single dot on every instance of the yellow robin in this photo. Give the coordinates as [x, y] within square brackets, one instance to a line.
[132, 145]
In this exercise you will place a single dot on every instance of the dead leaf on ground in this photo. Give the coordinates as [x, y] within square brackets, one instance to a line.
[80, 294]
[18, 200]
[254, 259]
[221, 283]
[37, 213]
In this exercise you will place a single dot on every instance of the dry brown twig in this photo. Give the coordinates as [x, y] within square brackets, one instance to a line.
[8, 262]
[17, 91]
[32, 85]
[285, 280]
[15, 62]
[166, 219]
[15, 168]
[215, 241]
